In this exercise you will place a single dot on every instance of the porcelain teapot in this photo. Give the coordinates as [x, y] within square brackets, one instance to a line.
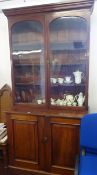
[80, 99]
[78, 75]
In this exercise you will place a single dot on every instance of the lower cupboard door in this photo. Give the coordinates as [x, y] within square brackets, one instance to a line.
[23, 141]
[62, 145]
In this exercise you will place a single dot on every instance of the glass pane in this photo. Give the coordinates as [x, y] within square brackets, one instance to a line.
[68, 50]
[28, 62]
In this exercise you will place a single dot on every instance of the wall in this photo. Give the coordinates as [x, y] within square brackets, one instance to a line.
[5, 67]
[93, 62]
[4, 52]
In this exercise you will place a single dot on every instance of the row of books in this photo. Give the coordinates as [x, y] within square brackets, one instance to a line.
[3, 133]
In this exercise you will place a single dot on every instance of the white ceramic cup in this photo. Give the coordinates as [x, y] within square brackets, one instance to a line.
[53, 80]
[60, 80]
[68, 79]
[39, 101]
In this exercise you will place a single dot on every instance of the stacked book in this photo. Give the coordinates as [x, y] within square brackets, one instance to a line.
[3, 133]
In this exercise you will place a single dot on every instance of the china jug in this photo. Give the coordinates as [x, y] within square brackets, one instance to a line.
[80, 99]
[78, 75]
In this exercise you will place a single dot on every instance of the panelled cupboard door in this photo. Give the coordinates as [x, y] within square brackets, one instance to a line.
[23, 141]
[62, 145]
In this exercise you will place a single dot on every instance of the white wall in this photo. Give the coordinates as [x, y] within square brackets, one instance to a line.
[4, 52]
[93, 62]
[5, 67]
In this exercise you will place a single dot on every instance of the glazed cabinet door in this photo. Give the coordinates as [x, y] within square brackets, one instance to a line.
[63, 144]
[28, 61]
[68, 60]
[23, 141]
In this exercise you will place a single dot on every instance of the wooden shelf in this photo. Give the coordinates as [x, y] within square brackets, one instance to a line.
[27, 84]
[20, 47]
[70, 46]
[29, 64]
[70, 85]
[58, 46]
